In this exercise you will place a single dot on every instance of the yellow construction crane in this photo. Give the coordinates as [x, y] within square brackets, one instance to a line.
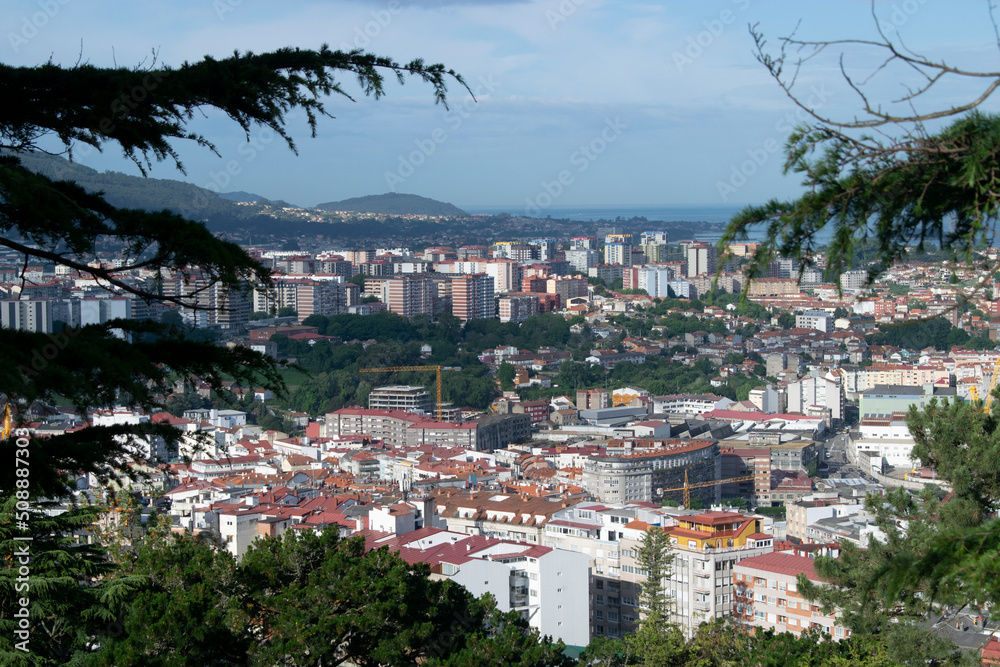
[993, 384]
[398, 369]
[8, 421]
[700, 485]
[988, 401]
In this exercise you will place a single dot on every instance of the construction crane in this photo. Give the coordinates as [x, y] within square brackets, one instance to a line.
[988, 401]
[398, 369]
[700, 485]
[8, 421]
[993, 383]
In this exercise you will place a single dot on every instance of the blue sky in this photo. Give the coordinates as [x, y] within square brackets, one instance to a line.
[580, 102]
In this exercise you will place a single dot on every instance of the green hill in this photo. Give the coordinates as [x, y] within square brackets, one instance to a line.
[393, 203]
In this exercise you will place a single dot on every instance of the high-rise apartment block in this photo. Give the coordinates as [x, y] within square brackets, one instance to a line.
[29, 315]
[410, 295]
[700, 259]
[582, 259]
[473, 297]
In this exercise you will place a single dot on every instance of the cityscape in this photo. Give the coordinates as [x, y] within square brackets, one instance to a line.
[578, 429]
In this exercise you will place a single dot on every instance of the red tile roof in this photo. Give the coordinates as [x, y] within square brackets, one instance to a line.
[780, 562]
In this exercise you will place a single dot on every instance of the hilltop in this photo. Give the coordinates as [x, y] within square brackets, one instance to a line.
[394, 203]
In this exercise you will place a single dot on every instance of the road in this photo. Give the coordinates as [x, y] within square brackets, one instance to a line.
[836, 447]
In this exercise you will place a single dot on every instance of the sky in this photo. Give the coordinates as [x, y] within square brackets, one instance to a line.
[577, 102]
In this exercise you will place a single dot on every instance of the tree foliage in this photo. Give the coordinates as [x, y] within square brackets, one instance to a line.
[308, 599]
[884, 175]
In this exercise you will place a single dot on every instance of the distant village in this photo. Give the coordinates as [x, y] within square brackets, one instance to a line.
[543, 497]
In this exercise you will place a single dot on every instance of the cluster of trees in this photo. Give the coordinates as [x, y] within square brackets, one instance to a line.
[545, 329]
[936, 332]
[334, 381]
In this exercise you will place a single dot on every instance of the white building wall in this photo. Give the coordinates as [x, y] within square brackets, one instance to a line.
[564, 596]
[238, 531]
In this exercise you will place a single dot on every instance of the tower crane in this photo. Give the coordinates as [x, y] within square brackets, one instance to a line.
[399, 369]
[700, 485]
[993, 383]
[988, 401]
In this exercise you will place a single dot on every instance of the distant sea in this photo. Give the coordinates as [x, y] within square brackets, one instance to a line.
[715, 213]
[688, 213]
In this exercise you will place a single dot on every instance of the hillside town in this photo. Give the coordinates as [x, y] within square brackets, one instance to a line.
[788, 411]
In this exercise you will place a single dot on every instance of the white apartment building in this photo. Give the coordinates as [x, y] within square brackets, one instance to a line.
[547, 586]
[706, 549]
[401, 397]
[655, 280]
[596, 529]
[851, 281]
[517, 308]
[801, 514]
[238, 529]
[817, 392]
[885, 437]
[582, 259]
[820, 320]
[27, 315]
[618, 253]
